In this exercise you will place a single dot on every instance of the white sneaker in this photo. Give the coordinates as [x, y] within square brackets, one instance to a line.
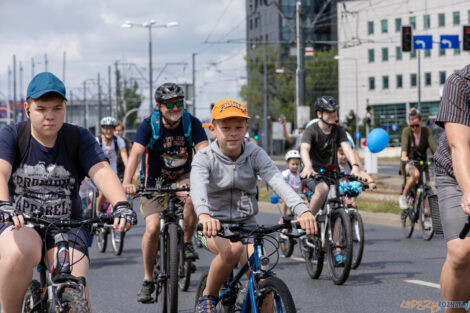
[403, 203]
[427, 224]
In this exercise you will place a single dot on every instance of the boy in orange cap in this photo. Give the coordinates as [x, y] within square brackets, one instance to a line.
[229, 166]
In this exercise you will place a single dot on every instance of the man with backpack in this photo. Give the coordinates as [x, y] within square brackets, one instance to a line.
[165, 142]
[42, 162]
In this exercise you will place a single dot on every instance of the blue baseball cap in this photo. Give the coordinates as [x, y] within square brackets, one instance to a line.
[43, 83]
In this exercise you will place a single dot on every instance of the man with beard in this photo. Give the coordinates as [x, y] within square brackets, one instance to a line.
[166, 142]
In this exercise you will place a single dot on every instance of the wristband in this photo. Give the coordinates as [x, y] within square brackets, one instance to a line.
[355, 164]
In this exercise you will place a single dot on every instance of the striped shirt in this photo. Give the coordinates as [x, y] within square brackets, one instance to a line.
[455, 108]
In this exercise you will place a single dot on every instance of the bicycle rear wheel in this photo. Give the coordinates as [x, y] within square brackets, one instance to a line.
[185, 275]
[275, 296]
[425, 220]
[357, 228]
[286, 244]
[32, 298]
[73, 302]
[339, 240]
[407, 220]
[313, 254]
[102, 239]
[117, 241]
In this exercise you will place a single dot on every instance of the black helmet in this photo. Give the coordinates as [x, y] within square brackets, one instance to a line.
[326, 103]
[168, 91]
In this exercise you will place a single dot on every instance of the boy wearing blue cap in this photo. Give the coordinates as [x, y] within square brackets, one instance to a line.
[38, 170]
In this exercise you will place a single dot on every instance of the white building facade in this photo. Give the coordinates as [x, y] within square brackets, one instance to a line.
[369, 48]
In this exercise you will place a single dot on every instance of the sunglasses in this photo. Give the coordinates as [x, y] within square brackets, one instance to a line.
[171, 105]
[415, 126]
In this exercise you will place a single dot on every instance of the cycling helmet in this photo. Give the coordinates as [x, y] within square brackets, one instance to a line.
[292, 154]
[108, 121]
[326, 103]
[168, 91]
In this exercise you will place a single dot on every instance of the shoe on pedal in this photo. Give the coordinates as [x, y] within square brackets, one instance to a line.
[145, 293]
[189, 252]
[206, 304]
[340, 258]
[403, 203]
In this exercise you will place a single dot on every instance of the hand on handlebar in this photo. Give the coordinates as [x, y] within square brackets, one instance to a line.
[210, 225]
[307, 172]
[124, 216]
[465, 202]
[308, 223]
[8, 212]
[129, 189]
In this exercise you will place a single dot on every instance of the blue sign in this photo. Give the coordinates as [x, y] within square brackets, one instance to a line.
[422, 42]
[449, 42]
[357, 135]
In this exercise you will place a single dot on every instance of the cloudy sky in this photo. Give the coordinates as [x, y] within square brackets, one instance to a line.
[89, 32]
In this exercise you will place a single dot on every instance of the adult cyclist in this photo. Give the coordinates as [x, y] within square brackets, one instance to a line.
[166, 142]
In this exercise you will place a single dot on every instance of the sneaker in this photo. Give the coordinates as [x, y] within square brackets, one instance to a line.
[189, 252]
[340, 258]
[145, 293]
[403, 203]
[206, 305]
[427, 224]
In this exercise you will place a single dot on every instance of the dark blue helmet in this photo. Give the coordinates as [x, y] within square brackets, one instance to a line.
[326, 103]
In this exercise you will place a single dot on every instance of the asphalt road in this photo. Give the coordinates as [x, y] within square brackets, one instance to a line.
[380, 284]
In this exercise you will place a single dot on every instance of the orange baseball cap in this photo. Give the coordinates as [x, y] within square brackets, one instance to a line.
[228, 108]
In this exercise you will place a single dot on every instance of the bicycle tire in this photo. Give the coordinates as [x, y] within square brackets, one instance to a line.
[117, 241]
[101, 239]
[339, 274]
[199, 290]
[185, 278]
[281, 296]
[31, 298]
[314, 257]
[286, 245]
[357, 228]
[407, 221]
[172, 268]
[73, 301]
[427, 233]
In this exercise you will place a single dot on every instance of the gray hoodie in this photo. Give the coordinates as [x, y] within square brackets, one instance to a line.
[227, 190]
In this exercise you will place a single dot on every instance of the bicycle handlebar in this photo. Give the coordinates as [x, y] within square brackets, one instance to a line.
[39, 221]
[465, 229]
[169, 189]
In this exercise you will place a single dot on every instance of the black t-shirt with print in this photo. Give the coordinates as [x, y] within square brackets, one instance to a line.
[323, 147]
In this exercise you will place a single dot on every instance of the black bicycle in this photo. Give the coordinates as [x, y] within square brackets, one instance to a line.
[172, 270]
[334, 234]
[58, 290]
[421, 201]
[263, 286]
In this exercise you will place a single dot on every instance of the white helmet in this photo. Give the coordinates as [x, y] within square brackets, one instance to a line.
[108, 121]
[292, 154]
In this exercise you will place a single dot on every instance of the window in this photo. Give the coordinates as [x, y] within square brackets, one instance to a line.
[442, 19]
[251, 24]
[413, 22]
[398, 53]
[442, 52]
[371, 55]
[427, 79]
[371, 83]
[256, 22]
[456, 51]
[442, 77]
[398, 24]
[413, 80]
[384, 82]
[427, 21]
[370, 28]
[400, 81]
[456, 18]
[384, 26]
[427, 53]
[384, 54]
[413, 54]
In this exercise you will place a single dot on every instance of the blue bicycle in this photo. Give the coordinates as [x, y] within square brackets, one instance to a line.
[263, 288]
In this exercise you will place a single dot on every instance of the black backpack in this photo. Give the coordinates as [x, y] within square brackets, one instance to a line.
[71, 136]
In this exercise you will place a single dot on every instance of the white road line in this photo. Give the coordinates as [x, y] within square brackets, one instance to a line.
[294, 258]
[423, 283]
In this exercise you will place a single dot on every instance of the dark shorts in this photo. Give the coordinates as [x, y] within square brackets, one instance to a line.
[78, 237]
[449, 195]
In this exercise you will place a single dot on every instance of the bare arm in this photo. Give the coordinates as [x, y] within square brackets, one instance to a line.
[285, 133]
[5, 173]
[123, 155]
[459, 143]
[305, 155]
[201, 145]
[134, 158]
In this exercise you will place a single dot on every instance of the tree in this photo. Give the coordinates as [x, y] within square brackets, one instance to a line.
[132, 99]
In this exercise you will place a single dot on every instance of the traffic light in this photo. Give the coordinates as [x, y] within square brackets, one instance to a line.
[466, 38]
[406, 39]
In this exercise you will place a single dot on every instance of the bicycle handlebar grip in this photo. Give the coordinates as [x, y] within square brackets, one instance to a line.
[465, 229]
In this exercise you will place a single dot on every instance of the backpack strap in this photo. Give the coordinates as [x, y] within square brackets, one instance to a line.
[116, 147]
[22, 142]
[187, 129]
[71, 139]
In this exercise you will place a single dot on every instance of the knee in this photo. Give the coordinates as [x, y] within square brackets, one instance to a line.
[458, 255]
[19, 260]
[232, 254]
[152, 229]
[322, 189]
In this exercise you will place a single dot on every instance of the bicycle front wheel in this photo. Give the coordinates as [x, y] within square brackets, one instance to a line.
[102, 239]
[286, 244]
[275, 296]
[73, 302]
[357, 227]
[32, 298]
[313, 254]
[172, 264]
[117, 240]
[339, 247]
[425, 220]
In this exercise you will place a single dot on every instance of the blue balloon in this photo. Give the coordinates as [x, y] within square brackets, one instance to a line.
[377, 140]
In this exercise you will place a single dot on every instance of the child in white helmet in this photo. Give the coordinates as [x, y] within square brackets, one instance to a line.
[291, 174]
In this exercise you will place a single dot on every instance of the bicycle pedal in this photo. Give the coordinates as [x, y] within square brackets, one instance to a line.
[148, 302]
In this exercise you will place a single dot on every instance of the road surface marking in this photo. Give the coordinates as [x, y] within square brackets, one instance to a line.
[424, 283]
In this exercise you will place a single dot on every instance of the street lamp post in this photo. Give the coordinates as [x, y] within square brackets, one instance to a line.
[337, 57]
[151, 24]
